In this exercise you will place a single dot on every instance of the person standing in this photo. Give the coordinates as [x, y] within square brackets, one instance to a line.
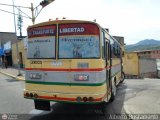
[5, 63]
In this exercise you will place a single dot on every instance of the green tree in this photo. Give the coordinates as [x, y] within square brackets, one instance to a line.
[20, 23]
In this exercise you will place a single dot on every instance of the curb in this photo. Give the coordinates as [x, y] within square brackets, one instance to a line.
[13, 76]
[20, 78]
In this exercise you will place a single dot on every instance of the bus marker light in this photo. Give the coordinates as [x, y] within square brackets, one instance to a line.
[90, 99]
[31, 95]
[35, 95]
[27, 94]
[85, 99]
[79, 99]
[55, 96]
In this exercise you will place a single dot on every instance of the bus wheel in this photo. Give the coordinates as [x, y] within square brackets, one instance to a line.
[123, 77]
[113, 92]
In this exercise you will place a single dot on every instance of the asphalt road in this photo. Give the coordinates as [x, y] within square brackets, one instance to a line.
[15, 106]
[12, 103]
[142, 96]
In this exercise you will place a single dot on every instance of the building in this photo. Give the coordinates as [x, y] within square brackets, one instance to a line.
[131, 66]
[158, 68]
[6, 39]
[149, 54]
[140, 64]
[7, 36]
[21, 54]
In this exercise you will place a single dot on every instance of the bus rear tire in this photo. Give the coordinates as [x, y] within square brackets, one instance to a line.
[113, 92]
[123, 77]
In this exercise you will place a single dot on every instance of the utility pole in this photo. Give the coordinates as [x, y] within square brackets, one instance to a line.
[35, 11]
[33, 16]
[19, 72]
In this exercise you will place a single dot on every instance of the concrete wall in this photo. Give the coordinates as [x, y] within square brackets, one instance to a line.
[148, 67]
[131, 66]
[138, 65]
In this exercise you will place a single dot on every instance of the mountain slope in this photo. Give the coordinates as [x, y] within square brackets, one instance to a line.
[147, 44]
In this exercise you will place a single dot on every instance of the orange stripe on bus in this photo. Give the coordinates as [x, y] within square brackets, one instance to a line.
[68, 99]
[72, 70]
[57, 98]
[69, 70]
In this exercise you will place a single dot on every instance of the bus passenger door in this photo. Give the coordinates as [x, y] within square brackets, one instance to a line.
[109, 62]
[108, 66]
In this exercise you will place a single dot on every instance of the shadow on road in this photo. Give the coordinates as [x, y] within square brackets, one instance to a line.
[85, 112]
[11, 80]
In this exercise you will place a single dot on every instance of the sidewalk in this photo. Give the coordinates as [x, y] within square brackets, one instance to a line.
[13, 72]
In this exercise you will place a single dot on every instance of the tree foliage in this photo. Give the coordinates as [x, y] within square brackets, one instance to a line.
[20, 22]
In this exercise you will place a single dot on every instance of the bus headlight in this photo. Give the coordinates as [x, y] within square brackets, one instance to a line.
[35, 76]
[81, 77]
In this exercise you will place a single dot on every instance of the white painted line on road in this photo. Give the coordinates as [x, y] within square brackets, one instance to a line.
[34, 111]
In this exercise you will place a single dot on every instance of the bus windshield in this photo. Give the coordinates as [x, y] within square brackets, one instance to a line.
[41, 42]
[79, 41]
[74, 41]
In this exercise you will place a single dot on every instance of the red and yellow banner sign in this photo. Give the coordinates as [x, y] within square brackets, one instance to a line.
[78, 29]
[42, 31]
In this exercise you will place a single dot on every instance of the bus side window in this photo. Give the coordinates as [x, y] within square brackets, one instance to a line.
[112, 49]
[108, 49]
[104, 52]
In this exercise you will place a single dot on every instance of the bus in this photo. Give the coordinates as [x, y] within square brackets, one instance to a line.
[71, 61]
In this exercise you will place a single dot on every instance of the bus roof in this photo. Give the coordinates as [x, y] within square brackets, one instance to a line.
[62, 22]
